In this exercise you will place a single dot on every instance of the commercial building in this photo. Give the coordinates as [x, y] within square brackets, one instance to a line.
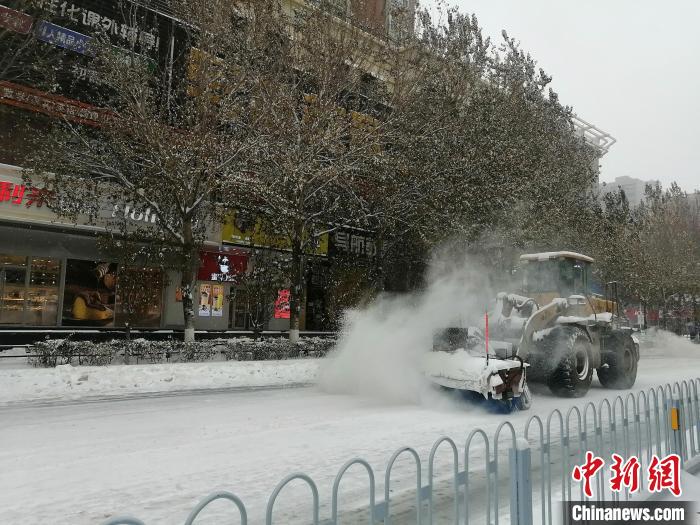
[53, 273]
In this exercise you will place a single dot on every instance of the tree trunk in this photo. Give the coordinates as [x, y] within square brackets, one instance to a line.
[127, 327]
[296, 291]
[187, 280]
[187, 285]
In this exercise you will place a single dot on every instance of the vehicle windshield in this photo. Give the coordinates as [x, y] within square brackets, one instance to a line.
[572, 277]
[565, 277]
[540, 277]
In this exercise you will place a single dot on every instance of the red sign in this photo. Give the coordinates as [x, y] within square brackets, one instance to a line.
[14, 20]
[18, 194]
[222, 266]
[282, 308]
[52, 105]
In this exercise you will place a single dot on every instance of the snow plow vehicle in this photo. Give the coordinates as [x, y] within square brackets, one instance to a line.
[556, 331]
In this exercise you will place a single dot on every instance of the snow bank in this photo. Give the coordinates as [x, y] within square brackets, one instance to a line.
[71, 383]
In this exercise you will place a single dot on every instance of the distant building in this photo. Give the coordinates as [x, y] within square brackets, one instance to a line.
[375, 15]
[633, 188]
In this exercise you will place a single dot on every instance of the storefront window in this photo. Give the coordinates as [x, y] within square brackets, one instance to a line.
[42, 293]
[90, 292]
[139, 297]
[29, 290]
[13, 275]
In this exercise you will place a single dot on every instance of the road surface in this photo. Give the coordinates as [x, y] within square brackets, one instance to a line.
[155, 457]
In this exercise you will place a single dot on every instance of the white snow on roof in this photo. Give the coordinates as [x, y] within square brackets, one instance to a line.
[544, 256]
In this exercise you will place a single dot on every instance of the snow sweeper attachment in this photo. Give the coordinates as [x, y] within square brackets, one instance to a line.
[462, 360]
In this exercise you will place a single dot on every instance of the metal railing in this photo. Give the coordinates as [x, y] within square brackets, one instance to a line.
[659, 421]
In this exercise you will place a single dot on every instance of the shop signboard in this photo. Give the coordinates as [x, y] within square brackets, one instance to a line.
[15, 20]
[241, 230]
[69, 28]
[63, 37]
[20, 201]
[222, 266]
[124, 25]
[53, 105]
[24, 202]
[354, 242]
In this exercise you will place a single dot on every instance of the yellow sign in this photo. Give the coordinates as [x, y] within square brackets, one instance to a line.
[237, 229]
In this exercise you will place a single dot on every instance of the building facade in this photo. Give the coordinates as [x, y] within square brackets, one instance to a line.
[53, 273]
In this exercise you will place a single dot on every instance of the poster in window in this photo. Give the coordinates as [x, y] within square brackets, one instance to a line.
[217, 304]
[282, 305]
[90, 293]
[204, 300]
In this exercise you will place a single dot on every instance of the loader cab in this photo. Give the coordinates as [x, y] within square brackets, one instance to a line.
[555, 274]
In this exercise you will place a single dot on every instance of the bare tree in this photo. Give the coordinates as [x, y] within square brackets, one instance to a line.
[262, 284]
[174, 152]
[324, 127]
[23, 57]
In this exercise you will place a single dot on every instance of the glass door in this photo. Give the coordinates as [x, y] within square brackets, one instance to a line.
[238, 313]
[42, 293]
[13, 276]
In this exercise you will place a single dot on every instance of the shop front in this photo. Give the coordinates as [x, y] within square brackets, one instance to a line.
[248, 231]
[52, 273]
[58, 279]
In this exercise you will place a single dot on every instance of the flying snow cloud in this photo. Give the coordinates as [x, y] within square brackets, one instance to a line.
[381, 345]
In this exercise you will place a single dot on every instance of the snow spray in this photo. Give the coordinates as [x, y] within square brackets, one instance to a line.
[380, 346]
[660, 343]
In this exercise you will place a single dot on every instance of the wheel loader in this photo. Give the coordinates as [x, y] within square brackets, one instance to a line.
[555, 331]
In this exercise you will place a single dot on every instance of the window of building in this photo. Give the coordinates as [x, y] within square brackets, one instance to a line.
[139, 297]
[29, 290]
[42, 292]
[89, 293]
[13, 271]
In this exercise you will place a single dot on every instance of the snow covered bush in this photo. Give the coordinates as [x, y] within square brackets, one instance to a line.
[50, 353]
[54, 352]
[245, 349]
[195, 351]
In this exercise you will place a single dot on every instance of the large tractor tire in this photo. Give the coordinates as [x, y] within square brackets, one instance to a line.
[568, 352]
[620, 361]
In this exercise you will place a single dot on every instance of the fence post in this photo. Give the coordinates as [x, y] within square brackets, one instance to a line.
[520, 483]
[675, 423]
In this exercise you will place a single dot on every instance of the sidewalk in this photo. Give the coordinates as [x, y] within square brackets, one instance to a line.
[66, 382]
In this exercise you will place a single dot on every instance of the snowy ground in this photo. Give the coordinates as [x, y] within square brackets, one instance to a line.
[79, 461]
[66, 382]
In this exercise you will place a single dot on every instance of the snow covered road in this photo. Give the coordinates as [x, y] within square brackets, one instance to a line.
[155, 457]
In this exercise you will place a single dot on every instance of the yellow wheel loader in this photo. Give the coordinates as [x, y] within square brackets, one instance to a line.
[554, 331]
